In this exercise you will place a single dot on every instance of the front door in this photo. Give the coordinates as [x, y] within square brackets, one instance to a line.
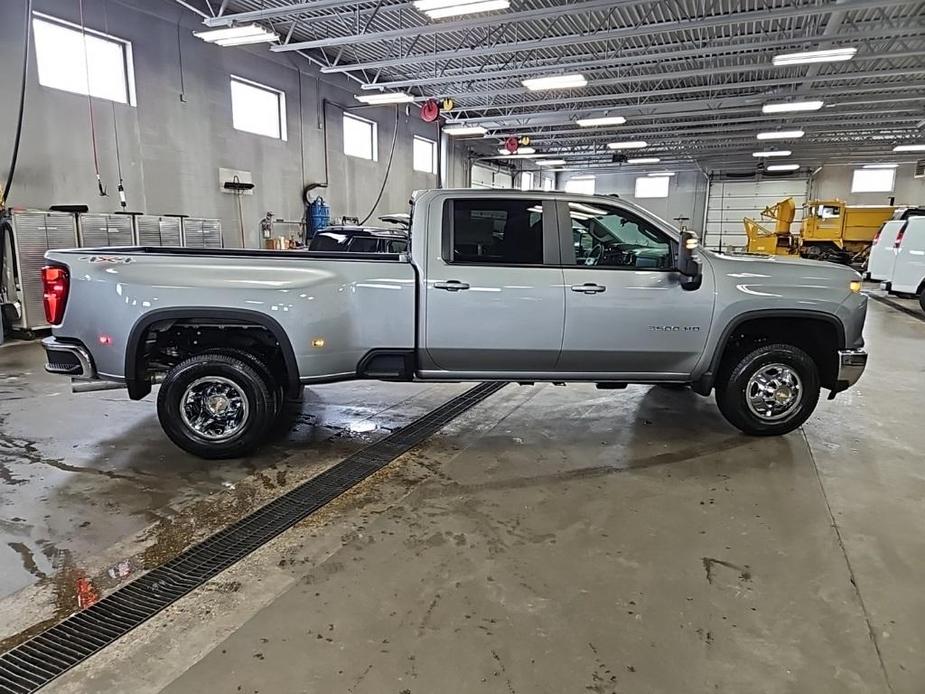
[493, 297]
[625, 310]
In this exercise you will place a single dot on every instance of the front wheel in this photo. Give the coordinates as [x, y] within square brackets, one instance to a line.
[770, 391]
[215, 406]
[922, 298]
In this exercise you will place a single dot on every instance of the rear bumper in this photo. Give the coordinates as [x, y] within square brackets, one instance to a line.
[68, 359]
[851, 364]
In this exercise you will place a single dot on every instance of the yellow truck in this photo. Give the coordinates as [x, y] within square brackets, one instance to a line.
[831, 230]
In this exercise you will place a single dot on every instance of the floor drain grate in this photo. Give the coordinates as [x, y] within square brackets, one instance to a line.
[36, 662]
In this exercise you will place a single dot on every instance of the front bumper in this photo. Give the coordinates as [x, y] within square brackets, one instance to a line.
[851, 364]
[68, 359]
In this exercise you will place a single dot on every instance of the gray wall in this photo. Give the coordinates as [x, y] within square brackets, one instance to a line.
[686, 193]
[834, 181]
[173, 143]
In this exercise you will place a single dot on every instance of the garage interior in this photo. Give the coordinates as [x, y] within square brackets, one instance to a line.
[534, 538]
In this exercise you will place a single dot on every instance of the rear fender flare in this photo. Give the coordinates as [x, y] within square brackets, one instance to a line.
[138, 387]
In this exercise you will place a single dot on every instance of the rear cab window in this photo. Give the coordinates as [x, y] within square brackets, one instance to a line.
[495, 231]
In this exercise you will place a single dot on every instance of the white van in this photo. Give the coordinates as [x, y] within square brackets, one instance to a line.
[909, 270]
[882, 252]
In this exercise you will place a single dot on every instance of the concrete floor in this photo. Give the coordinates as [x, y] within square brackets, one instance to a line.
[549, 540]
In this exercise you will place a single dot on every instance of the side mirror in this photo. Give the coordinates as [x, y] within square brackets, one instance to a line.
[688, 265]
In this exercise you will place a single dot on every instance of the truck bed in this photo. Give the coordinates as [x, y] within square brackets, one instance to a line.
[332, 313]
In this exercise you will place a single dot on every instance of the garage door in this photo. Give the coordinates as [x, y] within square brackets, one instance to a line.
[730, 201]
[483, 177]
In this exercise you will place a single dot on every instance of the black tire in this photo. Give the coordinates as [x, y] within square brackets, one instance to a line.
[922, 298]
[732, 396]
[245, 380]
[275, 388]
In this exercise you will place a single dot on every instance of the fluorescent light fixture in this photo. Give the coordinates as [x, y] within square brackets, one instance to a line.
[793, 106]
[781, 135]
[880, 166]
[834, 55]
[598, 122]
[585, 177]
[644, 160]
[237, 36]
[520, 150]
[775, 153]
[909, 148]
[438, 9]
[555, 82]
[783, 167]
[656, 174]
[384, 98]
[636, 144]
[464, 130]
[550, 162]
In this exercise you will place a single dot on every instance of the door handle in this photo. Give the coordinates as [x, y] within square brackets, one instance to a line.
[451, 285]
[588, 288]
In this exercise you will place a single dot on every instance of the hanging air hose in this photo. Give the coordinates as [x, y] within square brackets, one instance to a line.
[385, 179]
[115, 125]
[96, 157]
[27, 33]
[6, 228]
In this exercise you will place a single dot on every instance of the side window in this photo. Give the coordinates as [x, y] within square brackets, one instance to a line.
[608, 237]
[398, 246]
[502, 232]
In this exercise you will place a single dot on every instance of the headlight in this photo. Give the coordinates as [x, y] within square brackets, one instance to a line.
[855, 286]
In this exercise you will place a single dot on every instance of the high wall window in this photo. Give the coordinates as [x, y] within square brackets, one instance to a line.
[425, 155]
[873, 180]
[83, 62]
[360, 138]
[652, 186]
[526, 180]
[582, 184]
[258, 109]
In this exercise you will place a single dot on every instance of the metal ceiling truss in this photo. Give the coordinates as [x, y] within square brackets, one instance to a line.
[689, 76]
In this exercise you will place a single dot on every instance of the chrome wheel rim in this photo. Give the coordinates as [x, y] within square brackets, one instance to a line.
[214, 408]
[774, 392]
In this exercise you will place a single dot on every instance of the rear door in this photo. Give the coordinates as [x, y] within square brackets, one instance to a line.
[882, 254]
[493, 294]
[909, 272]
[625, 311]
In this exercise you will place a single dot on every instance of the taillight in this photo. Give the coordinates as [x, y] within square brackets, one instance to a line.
[55, 284]
[899, 237]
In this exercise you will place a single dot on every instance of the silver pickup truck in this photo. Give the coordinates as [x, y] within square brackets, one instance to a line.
[498, 285]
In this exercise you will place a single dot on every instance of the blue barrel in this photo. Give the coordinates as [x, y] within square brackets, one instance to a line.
[319, 216]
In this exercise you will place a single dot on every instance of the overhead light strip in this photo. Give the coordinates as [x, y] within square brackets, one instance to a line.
[555, 82]
[781, 135]
[833, 55]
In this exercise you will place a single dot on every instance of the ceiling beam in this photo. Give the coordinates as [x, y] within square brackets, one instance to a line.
[757, 84]
[458, 25]
[663, 76]
[274, 12]
[611, 34]
[632, 57]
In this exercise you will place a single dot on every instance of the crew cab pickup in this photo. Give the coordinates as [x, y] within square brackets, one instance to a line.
[498, 285]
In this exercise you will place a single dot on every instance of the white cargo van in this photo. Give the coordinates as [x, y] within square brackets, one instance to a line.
[909, 269]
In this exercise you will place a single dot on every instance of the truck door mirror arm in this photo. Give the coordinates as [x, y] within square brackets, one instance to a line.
[688, 266]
